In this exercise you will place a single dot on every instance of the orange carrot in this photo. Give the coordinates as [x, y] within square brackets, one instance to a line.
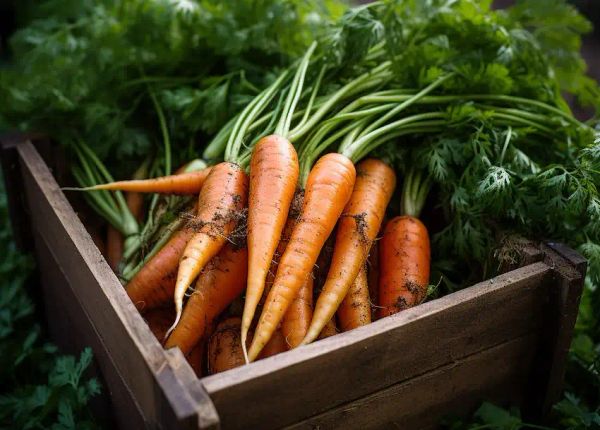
[329, 330]
[276, 345]
[273, 178]
[154, 284]
[183, 183]
[328, 189]
[222, 280]
[135, 203]
[373, 276]
[158, 321]
[356, 232]
[296, 320]
[114, 247]
[355, 310]
[221, 200]
[196, 359]
[404, 265]
[224, 347]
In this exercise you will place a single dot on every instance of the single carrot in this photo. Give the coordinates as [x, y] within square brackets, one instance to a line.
[329, 330]
[355, 234]
[296, 320]
[404, 265]
[221, 281]
[220, 204]
[355, 309]
[154, 284]
[276, 345]
[196, 358]
[159, 320]
[114, 247]
[135, 203]
[373, 276]
[224, 346]
[273, 178]
[328, 189]
[183, 183]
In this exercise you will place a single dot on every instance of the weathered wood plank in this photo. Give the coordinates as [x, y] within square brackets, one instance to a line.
[570, 269]
[497, 374]
[72, 330]
[281, 389]
[137, 355]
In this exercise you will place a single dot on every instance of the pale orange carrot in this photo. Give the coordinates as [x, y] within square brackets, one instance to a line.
[154, 284]
[183, 183]
[224, 347]
[355, 309]
[328, 189]
[220, 203]
[405, 258]
[273, 178]
[220, 282]
[355, 234]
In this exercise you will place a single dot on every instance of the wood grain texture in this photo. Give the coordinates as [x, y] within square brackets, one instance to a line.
[497, 374]
[136, 354]
[309, 380]
[71, 330]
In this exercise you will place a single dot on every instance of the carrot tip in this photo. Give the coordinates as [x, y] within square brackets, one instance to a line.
[244, 349]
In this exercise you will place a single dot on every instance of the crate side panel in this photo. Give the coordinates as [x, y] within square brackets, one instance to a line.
[136, 353]
[498, 374]
[73, 331]
[312, 379]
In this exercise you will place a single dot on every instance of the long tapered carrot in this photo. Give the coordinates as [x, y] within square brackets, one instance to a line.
[224, 347]
[356, 232]
[220, 203]
[183, 183]
[154, 284]
[405, 258]
[222, 280]
[298, 316]
[328, 189]
[355, 309]
[273, 178]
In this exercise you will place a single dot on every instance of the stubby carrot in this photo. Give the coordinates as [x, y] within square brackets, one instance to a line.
[296, 320]
[154, 284]
[181, 184]
[355, 309]
[273, 178]
[222, 280]
[275, 346]
[404, 265]
[220, 203]
[224, 347]
[328, 189]
[329, 330]
[356, 231]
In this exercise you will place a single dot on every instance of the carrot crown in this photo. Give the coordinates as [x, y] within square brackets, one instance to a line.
[414, 193]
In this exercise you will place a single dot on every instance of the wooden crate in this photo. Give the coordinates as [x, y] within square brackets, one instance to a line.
[504, 339]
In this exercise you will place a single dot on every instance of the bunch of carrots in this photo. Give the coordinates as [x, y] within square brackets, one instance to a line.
[293, 194]
[257, 230]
